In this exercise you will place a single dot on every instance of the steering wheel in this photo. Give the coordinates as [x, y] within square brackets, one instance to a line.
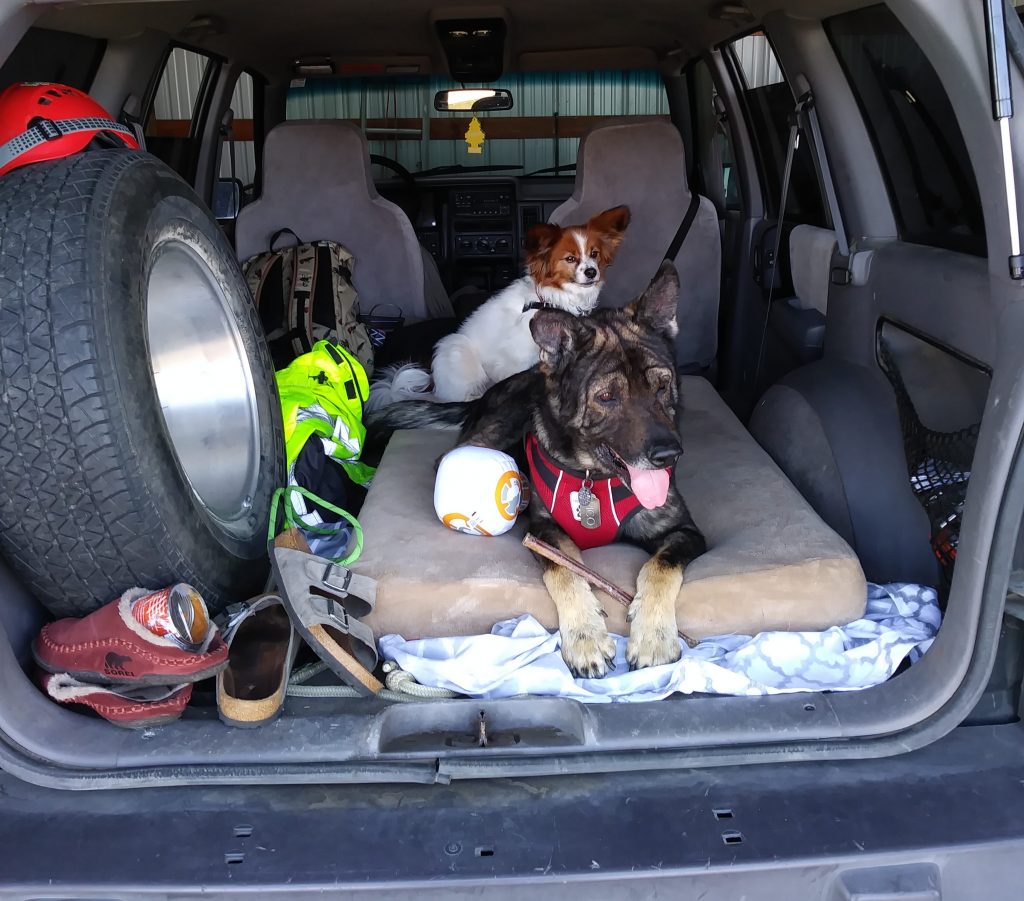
[410, 195]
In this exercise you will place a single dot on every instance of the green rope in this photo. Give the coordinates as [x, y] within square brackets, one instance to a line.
[292, 519]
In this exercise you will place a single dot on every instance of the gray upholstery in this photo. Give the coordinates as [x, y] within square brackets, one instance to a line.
[771, 564]
[435, 296]
[833, 429]
[810, 255]
[643, 165]
[317, 182]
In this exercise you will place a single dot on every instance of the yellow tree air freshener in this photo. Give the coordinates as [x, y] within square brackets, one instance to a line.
[475, 137]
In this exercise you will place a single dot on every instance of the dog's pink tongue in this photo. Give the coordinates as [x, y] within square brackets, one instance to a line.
[649, 485]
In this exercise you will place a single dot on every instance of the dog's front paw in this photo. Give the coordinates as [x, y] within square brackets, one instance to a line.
[653, 638]
[588, 651]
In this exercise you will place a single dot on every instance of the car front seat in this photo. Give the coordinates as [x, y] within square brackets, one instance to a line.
[317, 181]
[643, 165]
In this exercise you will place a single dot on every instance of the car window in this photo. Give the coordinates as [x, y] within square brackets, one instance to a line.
[176, 108]
[920, 147]
[176, 101]
[541, 132]
[769, 101]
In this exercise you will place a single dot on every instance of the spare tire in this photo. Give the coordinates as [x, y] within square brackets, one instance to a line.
[140, 427]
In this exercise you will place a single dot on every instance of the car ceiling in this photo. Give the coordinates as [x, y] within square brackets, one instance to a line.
[268, 35]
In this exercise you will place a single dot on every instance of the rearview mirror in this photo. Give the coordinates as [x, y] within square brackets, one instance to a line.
[475, 100]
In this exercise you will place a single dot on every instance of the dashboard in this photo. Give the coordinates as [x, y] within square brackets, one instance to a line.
[475, 227]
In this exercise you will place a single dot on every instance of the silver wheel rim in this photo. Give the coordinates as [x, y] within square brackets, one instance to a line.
[203, 382]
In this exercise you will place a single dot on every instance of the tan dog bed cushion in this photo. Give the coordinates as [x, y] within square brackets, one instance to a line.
[771, 562]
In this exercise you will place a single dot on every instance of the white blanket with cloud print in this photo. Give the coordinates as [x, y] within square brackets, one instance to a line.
[520, 657]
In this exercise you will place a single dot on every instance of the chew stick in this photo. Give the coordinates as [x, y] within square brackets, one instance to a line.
[532, 543]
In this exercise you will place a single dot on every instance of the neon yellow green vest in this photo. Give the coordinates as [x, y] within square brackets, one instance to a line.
[322, 393]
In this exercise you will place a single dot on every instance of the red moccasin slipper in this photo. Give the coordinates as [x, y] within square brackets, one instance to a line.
[109, 646]
[130, 708]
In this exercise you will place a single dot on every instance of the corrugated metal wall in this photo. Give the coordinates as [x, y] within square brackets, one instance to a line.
[757, 61]
[564, 94]
[179, 85]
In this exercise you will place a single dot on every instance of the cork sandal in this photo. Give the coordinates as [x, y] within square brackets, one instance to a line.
[325, 601]
[261, 650]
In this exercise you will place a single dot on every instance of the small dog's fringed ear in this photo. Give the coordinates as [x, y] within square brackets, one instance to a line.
[611, 222]
[540, 238]
[555, 334]
[611, 226]
[656, 307]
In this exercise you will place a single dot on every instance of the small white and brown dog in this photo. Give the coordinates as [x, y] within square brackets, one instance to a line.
[564, 269]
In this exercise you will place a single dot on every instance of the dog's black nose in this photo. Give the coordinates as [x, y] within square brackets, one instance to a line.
[590, 272]
[663, 452]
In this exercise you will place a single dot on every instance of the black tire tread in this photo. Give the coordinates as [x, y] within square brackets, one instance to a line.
[76, 516]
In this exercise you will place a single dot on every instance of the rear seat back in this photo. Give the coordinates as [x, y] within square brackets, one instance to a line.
[810, 255]
[799, 321]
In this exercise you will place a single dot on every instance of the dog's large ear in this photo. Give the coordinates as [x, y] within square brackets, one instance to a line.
[656, 307]
[540, 238]
[609, 228]
[556, 334]
[612, 222]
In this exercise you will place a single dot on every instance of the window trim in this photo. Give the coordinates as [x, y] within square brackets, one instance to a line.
[732, 66]
[201, 107]
[818, 155]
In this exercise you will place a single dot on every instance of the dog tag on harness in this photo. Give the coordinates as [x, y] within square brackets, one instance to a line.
[590, 508]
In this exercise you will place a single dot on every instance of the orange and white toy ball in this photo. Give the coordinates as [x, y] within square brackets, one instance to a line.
[479, 491]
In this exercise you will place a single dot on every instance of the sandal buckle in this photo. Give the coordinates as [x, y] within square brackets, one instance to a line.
[340, 585]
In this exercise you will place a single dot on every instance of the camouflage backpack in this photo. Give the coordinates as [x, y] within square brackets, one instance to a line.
[304, 294]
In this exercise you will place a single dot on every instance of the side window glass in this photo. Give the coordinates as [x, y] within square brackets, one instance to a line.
[172, 121]
[919, 145]
[769, 101]
[177, 96]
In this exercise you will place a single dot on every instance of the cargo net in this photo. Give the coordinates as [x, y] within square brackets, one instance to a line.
[939, 464]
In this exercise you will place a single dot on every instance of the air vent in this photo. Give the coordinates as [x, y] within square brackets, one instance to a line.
[529, 216]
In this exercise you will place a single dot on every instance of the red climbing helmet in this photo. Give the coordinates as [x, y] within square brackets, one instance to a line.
[49, 121]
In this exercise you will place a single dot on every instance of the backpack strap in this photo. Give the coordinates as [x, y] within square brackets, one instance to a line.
[342, 289]
[257, 270]
[280, 233]
[300, 297]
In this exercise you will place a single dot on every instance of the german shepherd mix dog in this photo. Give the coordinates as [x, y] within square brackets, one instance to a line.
[594, 424]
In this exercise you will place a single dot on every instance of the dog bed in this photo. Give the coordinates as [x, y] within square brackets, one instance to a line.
[772, 563]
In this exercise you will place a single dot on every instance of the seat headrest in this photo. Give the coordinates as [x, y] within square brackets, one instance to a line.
[315, 152]
[641, 164]
[632, 159]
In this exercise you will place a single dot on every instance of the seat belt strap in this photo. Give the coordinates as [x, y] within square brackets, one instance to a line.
[794, 142]
[805, 108]
[684, 227]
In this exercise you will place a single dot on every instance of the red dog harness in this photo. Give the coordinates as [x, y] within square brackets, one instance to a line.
[588, 525]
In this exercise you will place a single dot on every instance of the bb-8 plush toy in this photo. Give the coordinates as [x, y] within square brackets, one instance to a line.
[479, 491]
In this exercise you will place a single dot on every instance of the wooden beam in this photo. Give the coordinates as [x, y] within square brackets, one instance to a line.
[498, 128]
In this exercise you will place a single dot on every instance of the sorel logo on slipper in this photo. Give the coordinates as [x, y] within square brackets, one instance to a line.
[116, 665]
